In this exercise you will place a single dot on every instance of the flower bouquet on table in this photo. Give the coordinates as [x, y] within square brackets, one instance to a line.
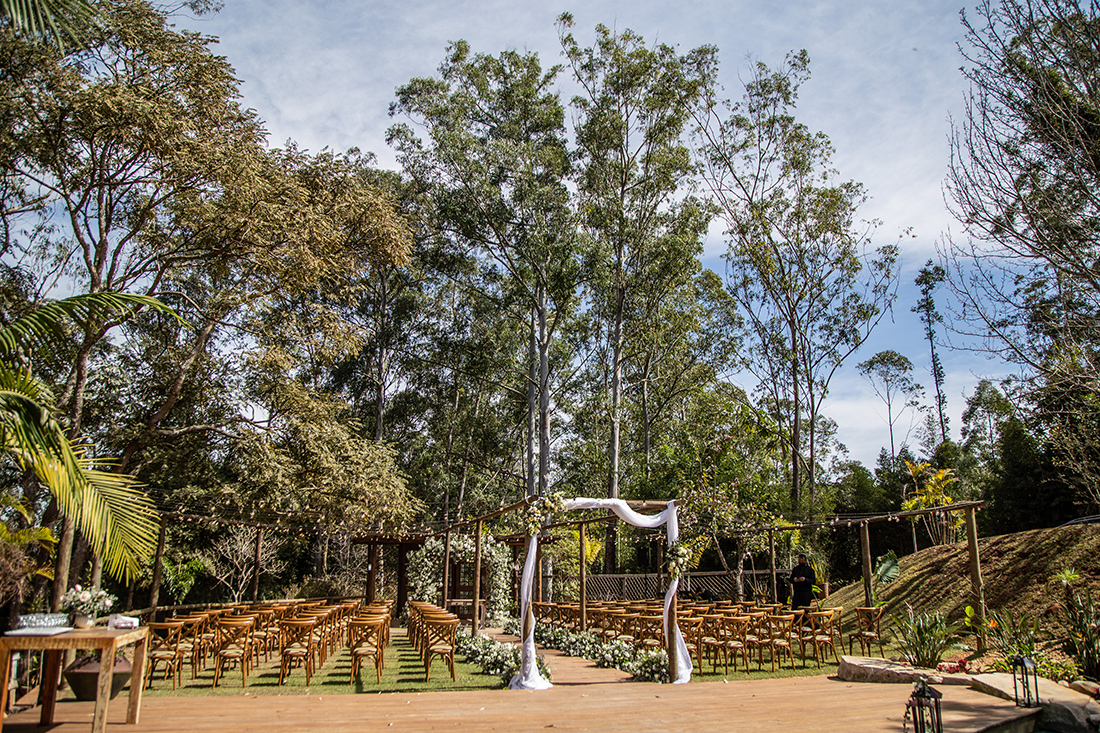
[85, 604]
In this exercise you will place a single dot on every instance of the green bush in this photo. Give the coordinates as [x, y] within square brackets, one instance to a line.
[924, 637]
[1012, 635]
[1084, 633]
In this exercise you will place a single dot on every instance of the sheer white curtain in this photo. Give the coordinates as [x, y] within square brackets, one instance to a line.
[528, 677]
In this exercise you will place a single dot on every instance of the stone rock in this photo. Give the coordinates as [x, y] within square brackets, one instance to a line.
[1085, 687]
[875, 669]
[1064, 710]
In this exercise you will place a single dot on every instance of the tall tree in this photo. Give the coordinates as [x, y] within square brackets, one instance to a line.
[809, 282]
[495, 160]
[633, 169]
[889, 373]
[930, 277]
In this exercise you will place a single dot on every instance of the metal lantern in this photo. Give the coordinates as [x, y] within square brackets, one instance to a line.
[924, 708]
[1025, 682]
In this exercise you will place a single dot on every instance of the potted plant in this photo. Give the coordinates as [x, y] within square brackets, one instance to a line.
[83, 604]
[83, 675]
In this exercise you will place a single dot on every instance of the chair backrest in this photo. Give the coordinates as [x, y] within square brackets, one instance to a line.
[869, 619]
[297, 633]
[781, 626]
[441, 631]
[366, 632]
[165, 635]
[233, 633]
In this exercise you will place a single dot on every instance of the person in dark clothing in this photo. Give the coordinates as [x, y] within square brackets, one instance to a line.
[802, 583]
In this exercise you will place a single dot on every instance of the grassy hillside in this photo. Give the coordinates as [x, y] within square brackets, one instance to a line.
[1015, 569]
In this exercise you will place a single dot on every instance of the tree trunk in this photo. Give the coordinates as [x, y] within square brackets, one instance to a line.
[611, 548]
[532, 407]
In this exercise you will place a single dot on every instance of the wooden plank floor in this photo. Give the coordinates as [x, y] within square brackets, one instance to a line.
[801, 703]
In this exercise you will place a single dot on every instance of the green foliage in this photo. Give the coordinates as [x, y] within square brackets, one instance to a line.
[1011, 634]
[923, 638]
[426, 571]
[1083, 625]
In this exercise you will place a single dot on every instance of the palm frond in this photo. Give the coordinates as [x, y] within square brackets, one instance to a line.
[42, 326]
[57, 19]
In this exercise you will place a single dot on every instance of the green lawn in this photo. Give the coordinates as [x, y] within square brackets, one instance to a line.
[403, 673]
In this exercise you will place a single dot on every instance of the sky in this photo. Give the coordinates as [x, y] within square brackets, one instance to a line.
[885, 87]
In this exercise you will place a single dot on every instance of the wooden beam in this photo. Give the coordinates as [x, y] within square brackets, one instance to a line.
[255, 587]
[446, 567]
[402, 578]
[771, 562]
[670, 642]
[372, 574]
[158, 567]
[584, 579]
[476, 605]
[975, 570]
[865, 542]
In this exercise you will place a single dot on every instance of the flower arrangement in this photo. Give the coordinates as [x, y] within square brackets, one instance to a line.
[679, 559]
[541, 508]
[83, 602]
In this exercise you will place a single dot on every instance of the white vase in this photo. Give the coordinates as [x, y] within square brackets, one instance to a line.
[83, 621]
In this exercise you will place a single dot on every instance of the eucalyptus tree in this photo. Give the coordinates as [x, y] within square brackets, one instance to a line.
[809, 282]
[929, 278]
[495, 162]
[890, 375]
[633, 175]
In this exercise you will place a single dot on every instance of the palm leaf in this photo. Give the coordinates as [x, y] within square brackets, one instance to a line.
[41, 327]
[49, 18]
[110, 510]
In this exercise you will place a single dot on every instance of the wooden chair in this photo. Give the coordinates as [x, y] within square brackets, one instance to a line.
[649, 632]
[233, 644]
[165, 645]
[781, 629]
[367, 639]
[692, 629]
[299, 647]
[868, 630]
[823, 637]
[439, 641]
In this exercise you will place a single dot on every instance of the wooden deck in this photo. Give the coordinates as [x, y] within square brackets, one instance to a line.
[802, 703]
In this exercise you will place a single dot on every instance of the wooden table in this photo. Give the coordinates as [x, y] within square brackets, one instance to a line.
[107, 641]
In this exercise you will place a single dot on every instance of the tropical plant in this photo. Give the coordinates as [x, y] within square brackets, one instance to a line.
[109, 509]
[887, 568]
[1013, 635]
[16, 564]
[929, 489]
[50, 19]
[1083, 624]
[923, 638]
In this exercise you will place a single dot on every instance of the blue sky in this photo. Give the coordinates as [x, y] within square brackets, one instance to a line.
[885, 86]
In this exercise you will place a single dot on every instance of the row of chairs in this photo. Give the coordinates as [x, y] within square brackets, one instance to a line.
[303, 634]
[433, 632]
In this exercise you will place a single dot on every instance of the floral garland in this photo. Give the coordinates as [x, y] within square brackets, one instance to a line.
[541, 511]
[426, 570]
[679, 559]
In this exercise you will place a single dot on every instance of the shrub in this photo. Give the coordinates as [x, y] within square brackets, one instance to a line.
[924, 637]
[1084, 633]
[1012, 635]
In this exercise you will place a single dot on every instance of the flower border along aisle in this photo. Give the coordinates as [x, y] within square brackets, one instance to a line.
[528, 677]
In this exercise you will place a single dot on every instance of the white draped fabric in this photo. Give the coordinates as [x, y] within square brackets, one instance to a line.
[528, 677]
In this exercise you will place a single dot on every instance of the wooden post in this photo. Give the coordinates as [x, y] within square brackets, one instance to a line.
[402, 578]
[660, 575]
[256, 564]
[446, 567]
[865, 541]
[158, 568]
[584, 578]
[775, 581]
[670, 642]
[476, 605]
[975, 569]
[538, 574]
[372, 574]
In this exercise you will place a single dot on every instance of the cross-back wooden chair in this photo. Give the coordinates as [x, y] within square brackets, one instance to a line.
[868, 630]
[367, 639]
[165, 646]
[299, 647]
[439, 641]
[781, 629]
[649, 632]
[233, 645]
[823, 638]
